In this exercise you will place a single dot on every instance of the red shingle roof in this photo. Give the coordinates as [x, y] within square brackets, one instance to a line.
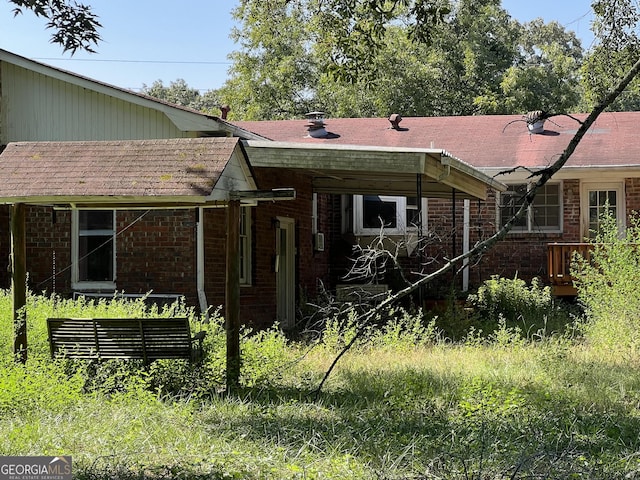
[182, 167]
[482, 141]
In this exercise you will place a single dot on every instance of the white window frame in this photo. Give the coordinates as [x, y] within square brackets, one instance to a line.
[401, 216]
[531, 226]
[621, 214]
[76, 284]
[245, 246]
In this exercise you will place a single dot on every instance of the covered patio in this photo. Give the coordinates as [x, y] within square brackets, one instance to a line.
[198, 173]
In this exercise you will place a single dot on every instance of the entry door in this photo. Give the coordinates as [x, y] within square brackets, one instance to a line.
[595, 198]
[285, 271]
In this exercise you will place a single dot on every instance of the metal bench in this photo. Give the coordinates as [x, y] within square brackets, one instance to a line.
[145, 339]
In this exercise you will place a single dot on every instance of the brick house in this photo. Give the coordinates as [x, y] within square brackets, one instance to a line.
[120, 192]
[605, 167]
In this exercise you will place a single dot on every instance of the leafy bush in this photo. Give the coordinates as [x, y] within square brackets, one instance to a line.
[530, 307]
[395, 328]
[607, 284]
[37, 386]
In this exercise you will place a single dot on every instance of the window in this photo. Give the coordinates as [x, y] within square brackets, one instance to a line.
[545, 214]
[93, 249]
[245, 245]
[595, 199]
[396, 214]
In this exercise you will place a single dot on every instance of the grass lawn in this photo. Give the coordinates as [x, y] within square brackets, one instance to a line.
[405, 405]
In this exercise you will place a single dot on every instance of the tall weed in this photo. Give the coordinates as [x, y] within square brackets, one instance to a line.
[395, 328]
[531, 307]
[607, 284]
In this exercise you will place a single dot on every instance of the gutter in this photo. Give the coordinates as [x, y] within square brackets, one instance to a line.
[448, 160]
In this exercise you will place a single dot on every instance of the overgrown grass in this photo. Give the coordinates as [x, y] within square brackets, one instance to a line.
[405, 404]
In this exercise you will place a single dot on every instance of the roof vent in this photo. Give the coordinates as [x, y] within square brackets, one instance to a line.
[535, 121]
[316, 125]
[395, 120]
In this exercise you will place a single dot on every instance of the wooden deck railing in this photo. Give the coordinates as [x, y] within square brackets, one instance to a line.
[559, 265]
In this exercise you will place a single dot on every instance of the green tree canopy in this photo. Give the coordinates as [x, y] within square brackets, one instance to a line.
[373, 58]
[179, 93]
[544, 74]
[617, 26]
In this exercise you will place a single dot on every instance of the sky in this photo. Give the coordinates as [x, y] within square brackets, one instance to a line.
[149, 40]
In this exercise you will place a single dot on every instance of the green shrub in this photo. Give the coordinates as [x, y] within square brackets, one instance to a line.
[532, 308]
[395, 328]
[607, 285]
[37, 386]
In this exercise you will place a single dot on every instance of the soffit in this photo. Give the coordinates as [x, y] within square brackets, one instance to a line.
[357, 169]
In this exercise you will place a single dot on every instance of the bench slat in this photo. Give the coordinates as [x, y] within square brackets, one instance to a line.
[127, 338]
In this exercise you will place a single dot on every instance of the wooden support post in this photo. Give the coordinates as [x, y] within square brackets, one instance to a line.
[232, 295]
[19, 280]
[421, 246]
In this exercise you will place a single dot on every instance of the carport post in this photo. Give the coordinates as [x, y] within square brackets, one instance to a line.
[232, 295]
[19, 280]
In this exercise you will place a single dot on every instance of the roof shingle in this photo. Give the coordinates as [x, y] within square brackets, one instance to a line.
[180, 167]
[501, 141]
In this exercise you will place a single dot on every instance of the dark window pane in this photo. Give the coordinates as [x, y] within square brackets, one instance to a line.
[96, 219]
[375, 210]
[511, 201]
[546, 207]
[95, 263]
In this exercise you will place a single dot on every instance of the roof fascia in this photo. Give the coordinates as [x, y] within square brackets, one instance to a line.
[122, 203]
[434, 163]
[568, 172]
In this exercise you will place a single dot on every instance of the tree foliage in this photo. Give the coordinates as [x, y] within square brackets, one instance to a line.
[274, 71]
[179, 93]
[417, 58]
[616, 26]
[75, 26]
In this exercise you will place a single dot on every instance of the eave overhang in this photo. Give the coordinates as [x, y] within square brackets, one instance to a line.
[357, 169]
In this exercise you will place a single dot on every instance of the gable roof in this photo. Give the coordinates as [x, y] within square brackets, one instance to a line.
[185, 119]
[166, 172]
[485, 142]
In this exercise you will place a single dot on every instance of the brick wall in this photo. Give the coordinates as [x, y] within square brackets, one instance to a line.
[155, 251]
[632, 193]
[5, 247]
[48, 249]
[258, 307]
[521, 254]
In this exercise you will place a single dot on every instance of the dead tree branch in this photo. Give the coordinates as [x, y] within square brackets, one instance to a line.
[481, 247]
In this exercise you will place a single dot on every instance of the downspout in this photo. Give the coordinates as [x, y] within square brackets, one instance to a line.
[420, 236]
[454, 226]
[466, 230]
[454, 236]
[202, 297]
